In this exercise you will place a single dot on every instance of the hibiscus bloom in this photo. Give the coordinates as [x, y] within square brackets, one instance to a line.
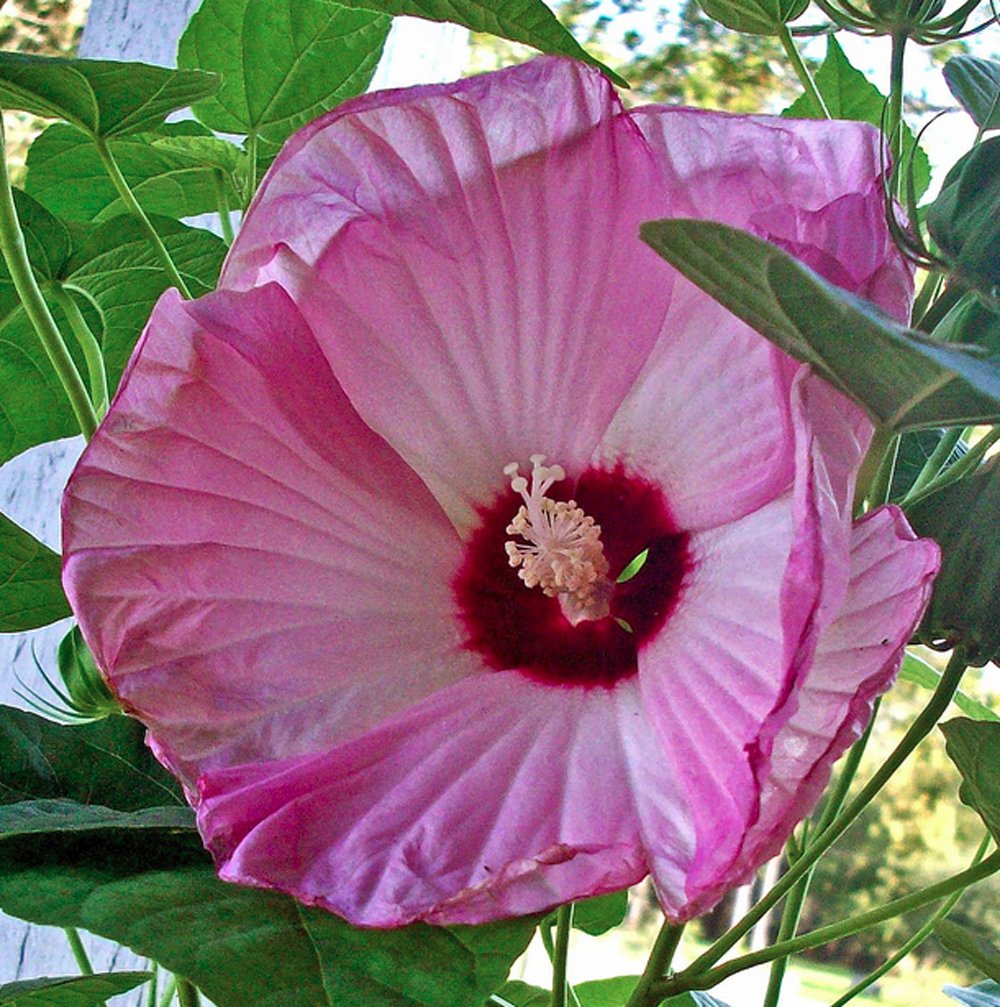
[350, 539]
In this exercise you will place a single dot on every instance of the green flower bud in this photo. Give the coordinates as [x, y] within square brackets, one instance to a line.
[85, 686]
[965, 218]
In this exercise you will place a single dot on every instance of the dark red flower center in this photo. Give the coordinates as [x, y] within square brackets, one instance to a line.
[513, 626]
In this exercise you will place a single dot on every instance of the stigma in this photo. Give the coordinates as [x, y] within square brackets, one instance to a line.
[561, 551]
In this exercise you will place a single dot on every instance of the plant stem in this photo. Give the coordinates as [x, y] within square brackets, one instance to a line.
[937, 459]
[251, 148]
[918, 730]
[15, 254]
[128, 198]
[225, 220]
[802, 72]
[881, 487]
[925, 296]
[836, 931]
[79, 951]
[151, 986]
[786, 930]
[564, 923]
[187, 993]
[894, 124]
[966, 464]
[168, 992]
[88, 343]
[915, 940]
[870, 466]
[656, 967]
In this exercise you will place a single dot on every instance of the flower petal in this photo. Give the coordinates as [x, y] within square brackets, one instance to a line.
[495, 797]
[781, 179]
[437, 239]
[244, 554]
[857, 659]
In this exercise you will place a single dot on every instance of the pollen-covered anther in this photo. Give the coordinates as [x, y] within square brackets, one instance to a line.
[562, 551]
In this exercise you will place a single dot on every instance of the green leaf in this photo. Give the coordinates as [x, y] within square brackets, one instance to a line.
[964, 220]
[171, 175]
[71, 991]
[915, 448]
[903, 379]
[974, 747]
[754, 17]
[515, 993]
[975, 82]
[106, 763]
[974, 948]
[985, 994]
[965, 605]
[921, 673]
[527, 21]
[218, 934]
[101, 97]
[46, 238]
[31, 593]
[613, 992]
[601, 913]
[283, 62]
[850, 95]
[38, 818]
[122, 278]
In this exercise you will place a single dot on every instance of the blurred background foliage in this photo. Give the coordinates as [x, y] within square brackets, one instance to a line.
[916, 833]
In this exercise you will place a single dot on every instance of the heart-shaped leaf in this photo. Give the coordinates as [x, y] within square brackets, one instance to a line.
[101, 97]
[31, 593]
[974, 747]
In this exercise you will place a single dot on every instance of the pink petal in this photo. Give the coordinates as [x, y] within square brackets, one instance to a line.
[495, 797]
[781, 179]
[244, 554]
[474, 246]
[857, 659]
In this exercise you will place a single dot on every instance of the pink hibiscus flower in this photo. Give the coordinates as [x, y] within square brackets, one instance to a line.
[317, 550]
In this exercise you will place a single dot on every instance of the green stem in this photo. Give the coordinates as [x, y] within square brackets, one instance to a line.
[88, 343]
[894, 124]
[802, 71]
[252, 172]
[152, 984]
[836, 931]
[790, 916]
[659, 961]
[881, 487]
[915, 940]
[965, 465]
[15, 254]
[128, 198]
[187, 993]
[838, 795]
[79, 951]
[564, 923]
[168, 992]
[919, 729]
[870, 466]
[225, 219]
[938, 457]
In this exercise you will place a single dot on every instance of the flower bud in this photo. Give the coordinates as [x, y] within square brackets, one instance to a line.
[85, 686]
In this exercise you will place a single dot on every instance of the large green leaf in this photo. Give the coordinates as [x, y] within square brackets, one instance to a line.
[919, 672]
[850, 95]
[283, 62]
[106, 763]
[218, 934]
[31, 593]
[120, 278]
[754, 17]
[170, 172]
[101, 97]
[527, 21]
[965, 605]
[56, 817]
[974, 747]
[985, 994]
[901, 378]
[975, 82]
[974, 948]
[46, 239]
[70, 991]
